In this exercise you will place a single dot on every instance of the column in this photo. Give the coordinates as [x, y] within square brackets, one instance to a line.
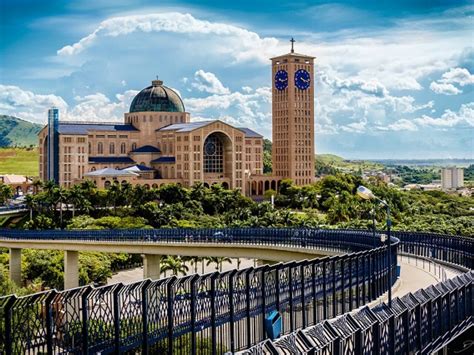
[15, 265]
[71, 269]
[151, 266]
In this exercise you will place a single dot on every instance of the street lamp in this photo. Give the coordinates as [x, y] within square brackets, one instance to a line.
[367, 194]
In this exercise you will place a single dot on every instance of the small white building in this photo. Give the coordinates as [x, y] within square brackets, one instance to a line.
[452, 178]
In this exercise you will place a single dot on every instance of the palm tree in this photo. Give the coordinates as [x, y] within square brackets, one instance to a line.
[30, 203]
[59, 196]
[218, 260]
[175, 265]
[75, 197]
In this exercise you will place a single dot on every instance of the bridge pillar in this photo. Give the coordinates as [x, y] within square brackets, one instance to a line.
[71, 269]
[151, 266]
[15, 265]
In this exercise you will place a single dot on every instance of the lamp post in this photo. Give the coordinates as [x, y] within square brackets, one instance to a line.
[367, 194]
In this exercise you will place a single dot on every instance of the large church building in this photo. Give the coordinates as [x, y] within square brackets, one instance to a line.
[158, 143]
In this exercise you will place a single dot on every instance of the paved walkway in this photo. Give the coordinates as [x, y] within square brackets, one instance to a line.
[414, 274]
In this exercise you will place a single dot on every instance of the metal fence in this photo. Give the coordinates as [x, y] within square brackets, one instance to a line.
[206, 314]
[419, 322]
[210, 313]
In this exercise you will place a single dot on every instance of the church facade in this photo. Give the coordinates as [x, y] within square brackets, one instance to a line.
[158, 143]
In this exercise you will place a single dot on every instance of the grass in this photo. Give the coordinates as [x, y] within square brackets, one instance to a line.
[20, 161]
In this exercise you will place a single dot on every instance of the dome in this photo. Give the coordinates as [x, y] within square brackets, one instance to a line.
[157, 98]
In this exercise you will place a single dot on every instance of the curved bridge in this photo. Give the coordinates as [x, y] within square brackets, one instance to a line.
[219, 312]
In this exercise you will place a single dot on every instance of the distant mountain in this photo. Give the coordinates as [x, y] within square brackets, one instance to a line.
[15, 132]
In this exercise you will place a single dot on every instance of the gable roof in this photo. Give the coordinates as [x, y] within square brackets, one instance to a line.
[146, 149]
[111, 160]
[250, 133]
[110, 172]
[137, 168]
[83, 128]
[164, 160]
[186, 127]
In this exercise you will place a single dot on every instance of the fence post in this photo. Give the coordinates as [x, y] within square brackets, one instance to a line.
[343, 287]
[49, 321]
[303, 285]
[193, 313]
[170, 295]
[231, 312]
[117, 318]
[144, 290]
[334, 291]
[213, 312]
[264, 306]
[247, 304]
[8, 324]
[85, 323]
[325, 297]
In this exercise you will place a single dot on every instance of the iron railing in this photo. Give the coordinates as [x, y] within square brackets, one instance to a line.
[211, 313]
[418, 323]
[217, 312]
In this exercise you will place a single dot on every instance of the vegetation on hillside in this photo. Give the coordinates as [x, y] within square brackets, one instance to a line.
[20, 161]
[329, 203]
[15, 132]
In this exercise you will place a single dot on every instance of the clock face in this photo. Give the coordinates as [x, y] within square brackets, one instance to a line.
[302, 79]
[281, 80]
[210, 148]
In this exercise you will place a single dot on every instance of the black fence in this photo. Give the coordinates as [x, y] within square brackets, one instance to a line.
[214, 313]
[417, 323]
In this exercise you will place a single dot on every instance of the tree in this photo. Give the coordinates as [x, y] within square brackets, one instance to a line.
[6, 193]
[219, 261]
[174, 264]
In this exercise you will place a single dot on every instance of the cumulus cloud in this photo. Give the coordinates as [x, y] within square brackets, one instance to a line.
[27, 105]
[371, 87]
[240, 108]
[445, 89]
[241, 43]
[208, 82]
[460, 76]
[402, 125]
[450, 118]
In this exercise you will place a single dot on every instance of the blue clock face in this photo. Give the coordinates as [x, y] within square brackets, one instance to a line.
[281, 80]
[302, 79]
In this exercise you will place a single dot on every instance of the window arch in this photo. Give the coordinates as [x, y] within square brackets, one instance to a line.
[90, 148]
[112, 148]
[134, 146]
[123, 148]
[100, 148]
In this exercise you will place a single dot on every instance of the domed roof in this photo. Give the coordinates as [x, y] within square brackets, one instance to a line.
[157, 98]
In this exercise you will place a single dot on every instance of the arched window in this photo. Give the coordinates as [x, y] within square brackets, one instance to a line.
[100, 148]
[112, 148]
[123, 148]
[93, 169]
[90, 148]
[134, 146]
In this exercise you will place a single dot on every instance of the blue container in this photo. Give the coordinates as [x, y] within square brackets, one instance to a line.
[273, 325]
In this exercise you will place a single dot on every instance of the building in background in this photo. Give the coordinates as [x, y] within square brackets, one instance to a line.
[452, 178]
[293, 151]
[158, 143]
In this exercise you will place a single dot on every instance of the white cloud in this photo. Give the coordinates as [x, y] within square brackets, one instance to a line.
[240, 108]
[444, 88]
[208, 82]
[34, 107]
[449, 118]
[242, 44]
[402, 125]
[28, 105]
[459, 76]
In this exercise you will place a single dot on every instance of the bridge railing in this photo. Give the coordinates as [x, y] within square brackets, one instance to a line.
[419, 322]
[218, 312]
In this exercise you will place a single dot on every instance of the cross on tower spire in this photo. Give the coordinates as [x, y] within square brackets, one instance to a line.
[292, 40]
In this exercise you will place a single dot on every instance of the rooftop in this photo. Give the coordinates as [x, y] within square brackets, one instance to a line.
[101, 160]
[66, 127]
[146, 149]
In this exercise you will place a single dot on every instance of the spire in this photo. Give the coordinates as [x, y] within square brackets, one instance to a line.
[292, 40]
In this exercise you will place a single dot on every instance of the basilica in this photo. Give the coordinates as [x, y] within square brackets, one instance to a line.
[158, 143]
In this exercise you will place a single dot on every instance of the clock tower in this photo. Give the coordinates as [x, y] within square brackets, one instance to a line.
[293, 117]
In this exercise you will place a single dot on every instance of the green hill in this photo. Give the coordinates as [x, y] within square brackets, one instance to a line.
[15, 132]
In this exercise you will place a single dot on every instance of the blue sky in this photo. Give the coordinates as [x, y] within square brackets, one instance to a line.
[394, 79]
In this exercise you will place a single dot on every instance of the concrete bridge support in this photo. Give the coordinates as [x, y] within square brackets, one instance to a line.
[71, 269]
[15, 265]
[151, 266]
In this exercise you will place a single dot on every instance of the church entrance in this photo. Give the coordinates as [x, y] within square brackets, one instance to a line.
[217, 159]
